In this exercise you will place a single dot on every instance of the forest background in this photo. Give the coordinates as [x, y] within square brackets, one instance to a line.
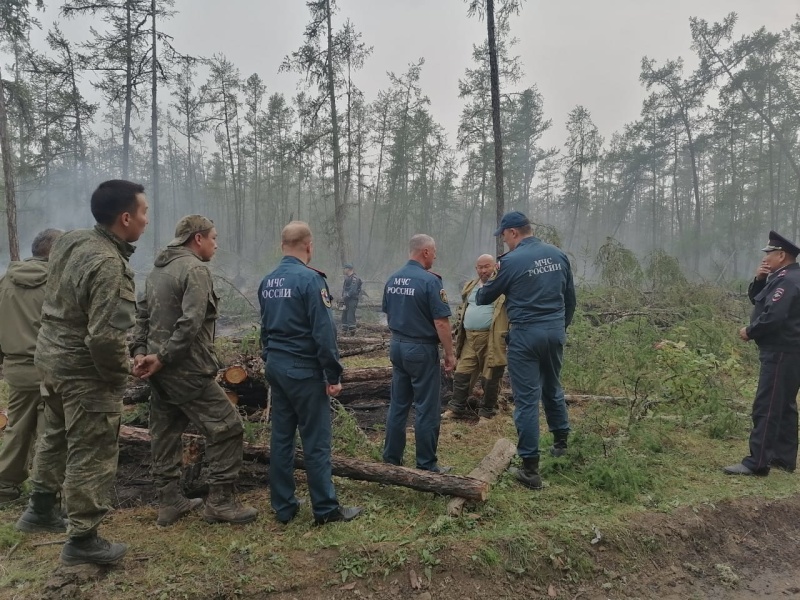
[95, 90]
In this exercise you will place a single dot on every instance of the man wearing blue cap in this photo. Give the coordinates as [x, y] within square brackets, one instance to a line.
[775, 327]
[536, 279]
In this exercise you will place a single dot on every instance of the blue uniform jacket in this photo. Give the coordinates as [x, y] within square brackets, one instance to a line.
[537, 281]
[775, 321]
[412, 299]
[296, 316]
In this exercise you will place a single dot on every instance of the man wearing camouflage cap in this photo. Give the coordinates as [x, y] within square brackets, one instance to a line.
[174, 348]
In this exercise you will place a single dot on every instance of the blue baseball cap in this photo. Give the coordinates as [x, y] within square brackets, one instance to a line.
[511, 219]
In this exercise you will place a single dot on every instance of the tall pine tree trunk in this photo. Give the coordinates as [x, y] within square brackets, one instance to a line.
[8, 177]
[338, 206]
[154, 137]
[498, 136]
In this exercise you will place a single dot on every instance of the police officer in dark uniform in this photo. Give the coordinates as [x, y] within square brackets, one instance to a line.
[302, 366]
[351, 293]
[416, 308]
[536, 279]
[775, 327]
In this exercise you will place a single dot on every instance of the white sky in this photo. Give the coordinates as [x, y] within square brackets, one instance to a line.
[577, 51]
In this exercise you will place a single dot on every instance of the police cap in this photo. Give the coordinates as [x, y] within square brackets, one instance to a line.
[347, 266]
[510, 220]
[778, 242]
[188, 226]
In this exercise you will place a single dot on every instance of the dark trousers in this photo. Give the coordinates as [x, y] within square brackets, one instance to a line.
[415, 379]
[299, 402]
[349, 314]
[535, 355]
[774, 433]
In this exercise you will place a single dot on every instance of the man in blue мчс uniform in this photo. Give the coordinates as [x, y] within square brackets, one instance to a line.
[301, 363]
[536, 279]
[775, 327]
[416, 308]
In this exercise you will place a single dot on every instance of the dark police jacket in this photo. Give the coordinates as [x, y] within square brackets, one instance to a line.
[775, 321]
[412, 299]
[537, 281]
[296, 317]
[351, 289]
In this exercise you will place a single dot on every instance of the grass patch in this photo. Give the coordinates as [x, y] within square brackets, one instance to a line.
[685, 384]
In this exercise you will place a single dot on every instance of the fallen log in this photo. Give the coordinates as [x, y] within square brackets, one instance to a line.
[488, 470]
[359, 341]
[361, 350]
[423, 481]
[234, 375]
[3, 421]
[367, 374]
[581, 398]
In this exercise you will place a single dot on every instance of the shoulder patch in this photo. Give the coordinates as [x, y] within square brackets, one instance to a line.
[317, 271]
[326, 297]
[443, 295]
[436, 274]
[782, 274]
[778, 294]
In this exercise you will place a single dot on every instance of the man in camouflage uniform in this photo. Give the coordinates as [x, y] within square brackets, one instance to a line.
[21, 299]
[82, 356]
[174, 348]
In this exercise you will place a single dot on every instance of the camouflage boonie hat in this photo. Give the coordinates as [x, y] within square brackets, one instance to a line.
[188, 226]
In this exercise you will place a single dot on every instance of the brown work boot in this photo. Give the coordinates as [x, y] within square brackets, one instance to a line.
[223, 507]
[172, 504]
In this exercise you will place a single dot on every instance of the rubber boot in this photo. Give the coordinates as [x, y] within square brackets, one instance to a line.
[528, 475]
[91, 549]
[559, 447]
[172, 504]
[457, 407]
[42, 515]
[223, 507]
[491, 389]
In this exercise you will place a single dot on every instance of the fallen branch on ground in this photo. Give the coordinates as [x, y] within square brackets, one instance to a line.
[488, 470]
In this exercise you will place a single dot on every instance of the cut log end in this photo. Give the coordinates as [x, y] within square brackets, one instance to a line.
[234, 375]
[3, 421]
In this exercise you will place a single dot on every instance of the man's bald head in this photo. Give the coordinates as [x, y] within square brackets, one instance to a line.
[484, 266]
[296, 240]
[422, 248]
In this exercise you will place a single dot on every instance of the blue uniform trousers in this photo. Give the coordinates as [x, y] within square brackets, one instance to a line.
[535, 355]
[774, 433]
[415, 378]
[299, 401]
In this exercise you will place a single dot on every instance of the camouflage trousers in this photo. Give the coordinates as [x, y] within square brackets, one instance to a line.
[25, 422]
[79, 449]
[210, 411]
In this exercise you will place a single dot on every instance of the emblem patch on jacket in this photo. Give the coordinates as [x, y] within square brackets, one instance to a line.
[777, 295]
[443, 295]
[326, 298]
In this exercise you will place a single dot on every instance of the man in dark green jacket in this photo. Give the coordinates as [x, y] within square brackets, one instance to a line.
[174, 348]
[81, 353]
[21, 299]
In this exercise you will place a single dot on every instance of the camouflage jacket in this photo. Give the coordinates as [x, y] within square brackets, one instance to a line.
[177, 315]
[89, 306]
[21, 299]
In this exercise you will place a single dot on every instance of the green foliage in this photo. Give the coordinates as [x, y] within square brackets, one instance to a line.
[618, 265]
[664, 271]
[348, 438]
[620, 476]
[350, 564]
[9, 536]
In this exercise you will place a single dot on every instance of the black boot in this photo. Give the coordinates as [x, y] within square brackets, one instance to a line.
[42, 515]
[91, 549]
[457, 407]
[559, 447]
[491, 388]
[172, 504]
[528, 475]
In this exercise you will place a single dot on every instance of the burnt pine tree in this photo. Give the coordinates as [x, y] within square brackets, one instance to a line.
[486, 7]
[15, 23]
